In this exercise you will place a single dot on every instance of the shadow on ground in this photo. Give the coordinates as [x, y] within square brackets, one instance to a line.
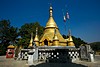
[58, 65]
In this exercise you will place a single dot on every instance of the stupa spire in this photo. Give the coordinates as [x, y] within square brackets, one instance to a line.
[69, 32]
[70, 40]
[36, 39]
[36, 31]
[51, 11]
[51, 22]
[55, 39]
[30, 45]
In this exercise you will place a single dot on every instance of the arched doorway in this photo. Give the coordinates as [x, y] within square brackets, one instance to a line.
[46, 42]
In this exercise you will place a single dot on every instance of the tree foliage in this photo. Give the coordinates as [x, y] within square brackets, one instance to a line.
[95, 46]
[28, 28]
[77, 41]
[8, 34]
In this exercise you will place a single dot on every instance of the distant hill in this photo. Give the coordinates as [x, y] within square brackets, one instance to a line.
[95, 46]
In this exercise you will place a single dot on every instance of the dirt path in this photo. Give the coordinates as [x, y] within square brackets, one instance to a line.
[4, 62]
[11, 62]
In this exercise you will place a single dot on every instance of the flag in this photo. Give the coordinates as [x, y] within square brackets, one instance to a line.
[64, 19]
[67, 16]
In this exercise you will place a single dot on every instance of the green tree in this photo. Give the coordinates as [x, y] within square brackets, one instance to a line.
[77, 41]
[64, 36]
[8, 34]
[95, 46]
[26, 30]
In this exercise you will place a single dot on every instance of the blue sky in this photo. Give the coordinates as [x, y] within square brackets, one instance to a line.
[84, 15]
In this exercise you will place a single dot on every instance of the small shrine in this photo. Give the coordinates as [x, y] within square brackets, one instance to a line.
[10, 51]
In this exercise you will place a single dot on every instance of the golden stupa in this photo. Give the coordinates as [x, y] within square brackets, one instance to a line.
[49, 37]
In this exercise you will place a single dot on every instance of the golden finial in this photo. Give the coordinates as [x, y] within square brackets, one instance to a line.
[51, 10]
[36, 30]
[69, 32]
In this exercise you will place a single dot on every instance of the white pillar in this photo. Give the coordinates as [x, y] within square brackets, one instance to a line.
[91, 57]
[35, 55]
[30, 57]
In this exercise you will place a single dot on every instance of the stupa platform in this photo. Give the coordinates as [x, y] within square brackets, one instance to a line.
[56, 47]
